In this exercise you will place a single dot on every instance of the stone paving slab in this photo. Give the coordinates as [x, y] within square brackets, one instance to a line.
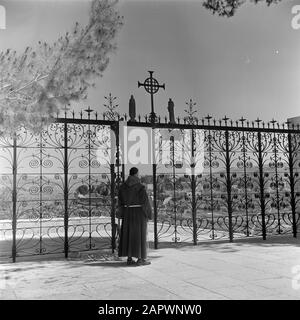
[245, 269]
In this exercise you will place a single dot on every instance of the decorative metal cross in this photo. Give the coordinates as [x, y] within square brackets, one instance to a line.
[89, 110]
[152, 86]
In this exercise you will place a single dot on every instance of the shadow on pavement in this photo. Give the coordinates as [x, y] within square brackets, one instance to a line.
[114, 264]
[226, 246]
[104, 255]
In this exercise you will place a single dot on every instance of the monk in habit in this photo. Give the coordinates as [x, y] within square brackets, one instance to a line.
[135, 210]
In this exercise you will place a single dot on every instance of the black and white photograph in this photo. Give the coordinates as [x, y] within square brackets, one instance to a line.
[149, 151]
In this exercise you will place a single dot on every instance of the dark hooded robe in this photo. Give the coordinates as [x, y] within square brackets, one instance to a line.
[133, 235]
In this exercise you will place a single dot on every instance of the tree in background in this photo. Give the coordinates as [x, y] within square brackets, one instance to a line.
[227, 8]
[35, 85]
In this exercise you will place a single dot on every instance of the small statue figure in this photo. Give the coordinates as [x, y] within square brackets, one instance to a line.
[171, 111]
[132, 109]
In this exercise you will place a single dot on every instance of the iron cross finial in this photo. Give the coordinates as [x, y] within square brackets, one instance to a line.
[152, 86]
[89, 110]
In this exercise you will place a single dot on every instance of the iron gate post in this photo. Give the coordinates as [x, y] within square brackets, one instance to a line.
[154, 182]
[115, 182]
[292, 183]
[14, 199]
[172, 138]
[113, 207]
[228, 187]
[154, 205]
[41, 196]
[245, 183]
[261, 186]
[213, 233]
[275, 152]
[66, 190]
[90, 184]
[193, 185]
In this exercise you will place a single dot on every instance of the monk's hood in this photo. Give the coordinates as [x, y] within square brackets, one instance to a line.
[132, 180]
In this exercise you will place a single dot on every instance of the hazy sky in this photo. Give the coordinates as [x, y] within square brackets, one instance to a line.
[247, 65]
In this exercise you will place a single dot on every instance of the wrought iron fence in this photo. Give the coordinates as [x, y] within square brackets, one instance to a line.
[208, 180]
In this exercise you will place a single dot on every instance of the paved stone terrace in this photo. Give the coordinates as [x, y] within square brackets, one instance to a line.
[245, 269]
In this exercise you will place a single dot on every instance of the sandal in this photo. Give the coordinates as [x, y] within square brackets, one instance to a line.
[130, 262]
[143, 262]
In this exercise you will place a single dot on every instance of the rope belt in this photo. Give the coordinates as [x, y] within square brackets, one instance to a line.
[133, 206]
